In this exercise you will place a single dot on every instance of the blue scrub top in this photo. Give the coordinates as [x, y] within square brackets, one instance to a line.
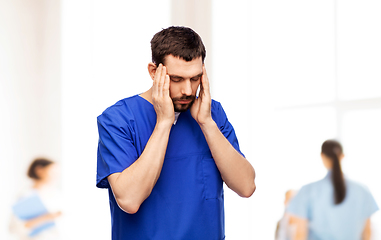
[345, 221]
[187, 201]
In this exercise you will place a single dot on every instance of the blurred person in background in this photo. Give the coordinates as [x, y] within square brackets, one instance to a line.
[38, 208]
[334, 208]
[285, 229]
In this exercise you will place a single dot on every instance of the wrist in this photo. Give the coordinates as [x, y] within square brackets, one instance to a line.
[164, 125]
[207, 125]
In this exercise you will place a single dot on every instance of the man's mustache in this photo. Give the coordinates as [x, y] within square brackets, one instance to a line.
[191, 97]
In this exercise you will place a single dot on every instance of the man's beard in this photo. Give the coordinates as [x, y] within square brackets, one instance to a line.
[183, 107]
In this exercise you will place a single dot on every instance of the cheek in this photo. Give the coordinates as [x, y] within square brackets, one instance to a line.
[173, 90]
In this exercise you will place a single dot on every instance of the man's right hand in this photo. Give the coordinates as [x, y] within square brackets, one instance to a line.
[161, 99]
[132, 186]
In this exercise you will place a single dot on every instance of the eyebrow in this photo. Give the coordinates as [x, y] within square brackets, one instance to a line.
[176, 76]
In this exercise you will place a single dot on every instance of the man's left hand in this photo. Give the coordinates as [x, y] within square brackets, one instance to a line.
[201, 108]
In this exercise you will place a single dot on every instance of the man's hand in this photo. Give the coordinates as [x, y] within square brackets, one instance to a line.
[132, 186]
[162, 102]
[201, 108]
[236, 171]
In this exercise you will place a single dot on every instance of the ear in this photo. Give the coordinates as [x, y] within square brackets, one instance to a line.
[152, 70]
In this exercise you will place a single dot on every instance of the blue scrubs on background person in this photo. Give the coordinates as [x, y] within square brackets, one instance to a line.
[328, 221]
[334, 208]
[187, 201]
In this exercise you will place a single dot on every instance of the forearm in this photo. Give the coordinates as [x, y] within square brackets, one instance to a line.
[37, 221]
[367, 232]
[135, 183]
[301, 232]
[236, 171]
[300, 236]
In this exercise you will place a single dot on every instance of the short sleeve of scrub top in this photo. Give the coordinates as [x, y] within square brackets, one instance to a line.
[116, 147]
[300, 204]
[370, 204]
[219, 116]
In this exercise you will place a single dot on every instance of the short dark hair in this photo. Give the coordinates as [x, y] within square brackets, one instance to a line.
[38, 162]
[180, 42]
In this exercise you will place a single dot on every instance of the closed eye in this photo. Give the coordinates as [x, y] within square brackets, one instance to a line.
[176, 79]
[195, 79]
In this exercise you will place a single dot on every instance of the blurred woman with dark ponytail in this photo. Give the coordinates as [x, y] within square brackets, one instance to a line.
[334, 208]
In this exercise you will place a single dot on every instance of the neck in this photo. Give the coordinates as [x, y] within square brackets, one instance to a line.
[39, 184]
[147, 95]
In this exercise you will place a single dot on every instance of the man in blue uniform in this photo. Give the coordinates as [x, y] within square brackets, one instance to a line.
[164, 154]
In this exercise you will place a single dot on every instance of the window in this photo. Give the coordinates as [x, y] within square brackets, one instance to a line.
[290, 75]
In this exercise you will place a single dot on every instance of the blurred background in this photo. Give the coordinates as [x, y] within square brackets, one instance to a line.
[290, 74]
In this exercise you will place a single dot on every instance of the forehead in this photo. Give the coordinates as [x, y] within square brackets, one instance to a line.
[179, 67]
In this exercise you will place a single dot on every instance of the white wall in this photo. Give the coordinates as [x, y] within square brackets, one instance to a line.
[196, 15]
[29, 93]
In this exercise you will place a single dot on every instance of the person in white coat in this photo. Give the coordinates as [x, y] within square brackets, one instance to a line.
[42, 172]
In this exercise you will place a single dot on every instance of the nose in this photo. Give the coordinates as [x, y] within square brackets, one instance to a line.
[186, 88]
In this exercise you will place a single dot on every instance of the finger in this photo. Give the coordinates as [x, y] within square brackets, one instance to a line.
[156, 79]
[162, 80]
[201, 93]
[158, 72]
[205, 80]
[166, 85]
